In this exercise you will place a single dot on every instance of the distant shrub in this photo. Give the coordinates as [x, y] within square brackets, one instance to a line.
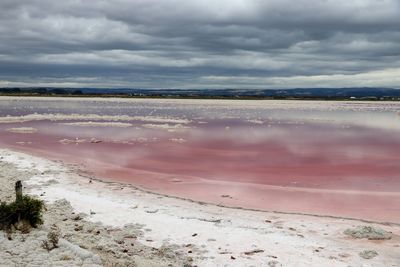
[27, 209]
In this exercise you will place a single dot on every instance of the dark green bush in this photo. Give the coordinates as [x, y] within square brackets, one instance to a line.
[26, 209]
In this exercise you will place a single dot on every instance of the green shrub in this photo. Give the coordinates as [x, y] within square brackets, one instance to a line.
[28, 209]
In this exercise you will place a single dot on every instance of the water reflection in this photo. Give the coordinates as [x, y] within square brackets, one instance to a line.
[326, 159]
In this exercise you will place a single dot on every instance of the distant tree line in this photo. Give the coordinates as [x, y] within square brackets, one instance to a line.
[41, 91]
[361, 93]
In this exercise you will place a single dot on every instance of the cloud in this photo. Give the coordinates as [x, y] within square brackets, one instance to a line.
[386, 78]
[197, 44]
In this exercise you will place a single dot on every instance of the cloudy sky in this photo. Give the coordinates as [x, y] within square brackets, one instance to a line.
[200, 43]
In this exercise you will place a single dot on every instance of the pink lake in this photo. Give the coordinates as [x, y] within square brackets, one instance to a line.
[323, 158]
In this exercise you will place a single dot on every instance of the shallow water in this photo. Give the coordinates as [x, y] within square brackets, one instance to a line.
[330, 158]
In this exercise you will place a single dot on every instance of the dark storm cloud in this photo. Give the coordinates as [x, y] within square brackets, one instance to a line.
[200, 43]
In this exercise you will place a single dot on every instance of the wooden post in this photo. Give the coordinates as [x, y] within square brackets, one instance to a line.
[18, 191]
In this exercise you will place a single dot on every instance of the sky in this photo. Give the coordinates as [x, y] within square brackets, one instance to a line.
[193, 44]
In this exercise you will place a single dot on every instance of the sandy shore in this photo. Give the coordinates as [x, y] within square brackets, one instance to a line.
[112, 224]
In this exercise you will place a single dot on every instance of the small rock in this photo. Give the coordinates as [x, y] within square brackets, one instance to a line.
[77, 218]
[78, 228]
[152, 211]
[252, 252]
[274, 264]
[368, 254]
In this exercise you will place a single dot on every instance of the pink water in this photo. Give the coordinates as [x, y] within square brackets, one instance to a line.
[329, 167]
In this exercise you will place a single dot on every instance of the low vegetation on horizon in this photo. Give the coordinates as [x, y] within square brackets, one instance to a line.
[371, 94]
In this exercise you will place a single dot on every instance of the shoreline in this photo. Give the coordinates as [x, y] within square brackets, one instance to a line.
[232, 202]
[209, 234]
[148, 191]
[82, 242]
[82, 173]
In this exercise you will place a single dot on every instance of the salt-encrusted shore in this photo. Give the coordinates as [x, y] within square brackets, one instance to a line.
[113, 224]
